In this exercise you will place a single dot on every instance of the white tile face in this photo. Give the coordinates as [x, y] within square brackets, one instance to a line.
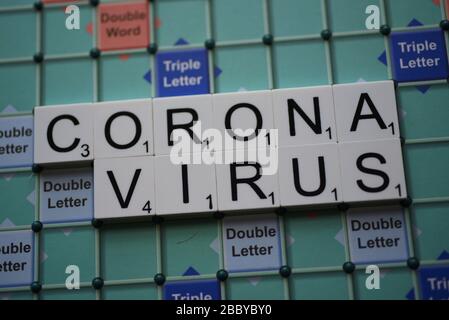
[123, 129]
[124, 187]
[184, 188]
[243, 185]
[366, 111]
[63, 133]
[372, 170]
[309, 175]
[182, 113]
[238, 115]
[304, 116]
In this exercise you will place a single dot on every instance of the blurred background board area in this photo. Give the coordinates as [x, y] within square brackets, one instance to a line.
[119, 51]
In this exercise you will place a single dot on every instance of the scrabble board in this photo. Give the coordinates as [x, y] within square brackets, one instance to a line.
[171, 49]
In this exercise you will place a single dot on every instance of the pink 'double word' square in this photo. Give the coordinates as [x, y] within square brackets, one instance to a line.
[123, 26]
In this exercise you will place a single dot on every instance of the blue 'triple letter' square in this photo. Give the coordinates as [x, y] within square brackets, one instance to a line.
[434, 282]
[192, 290]
[182, 72]
[419, 55]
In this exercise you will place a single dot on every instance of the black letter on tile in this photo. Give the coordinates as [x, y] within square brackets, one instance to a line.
[374, 113]
[107, 130]
[315, 126]
[250, 181]
[185, 184]
[124, 203]
[259, 121]
[50, 128]
[298, 187]
[383, 175]
[186, 126]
